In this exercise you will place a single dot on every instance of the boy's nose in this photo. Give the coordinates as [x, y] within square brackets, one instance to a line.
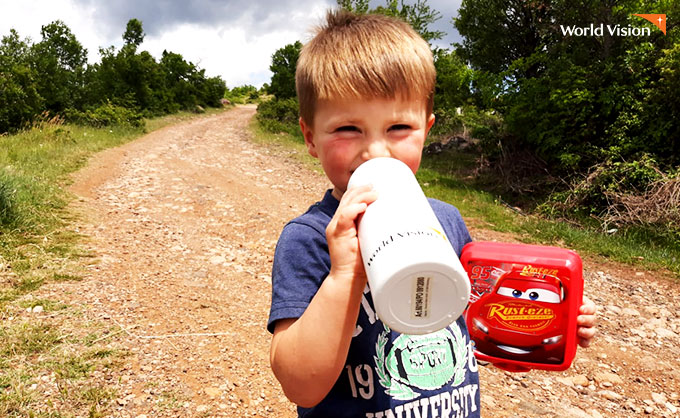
[376, 148]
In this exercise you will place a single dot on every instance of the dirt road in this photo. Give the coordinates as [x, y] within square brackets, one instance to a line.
[184, 222]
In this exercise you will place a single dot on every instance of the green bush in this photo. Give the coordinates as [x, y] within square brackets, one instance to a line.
[569, 98]
[280, 115]
[107, 114]
[242, 94]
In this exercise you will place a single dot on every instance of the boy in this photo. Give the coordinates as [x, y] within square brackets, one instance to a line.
[366, 87]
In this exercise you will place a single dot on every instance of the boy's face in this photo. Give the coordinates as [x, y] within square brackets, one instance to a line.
[345, 133]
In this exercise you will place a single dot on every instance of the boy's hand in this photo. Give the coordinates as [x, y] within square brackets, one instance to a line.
[585, 322]
[341, 233]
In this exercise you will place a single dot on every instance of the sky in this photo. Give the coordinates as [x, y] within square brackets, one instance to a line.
[233, 39]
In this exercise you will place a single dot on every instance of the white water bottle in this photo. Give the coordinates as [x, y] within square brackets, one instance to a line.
[416, 279]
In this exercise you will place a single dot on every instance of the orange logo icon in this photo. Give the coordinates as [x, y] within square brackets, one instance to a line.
[658, 20]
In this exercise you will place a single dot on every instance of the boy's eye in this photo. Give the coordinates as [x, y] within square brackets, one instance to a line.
[399, 127]
[347, 128]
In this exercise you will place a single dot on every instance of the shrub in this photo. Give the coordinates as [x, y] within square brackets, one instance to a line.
[107, 114]
[280, 115]
[242, 94]
[658, 206]
[623, 193]
[17, 87]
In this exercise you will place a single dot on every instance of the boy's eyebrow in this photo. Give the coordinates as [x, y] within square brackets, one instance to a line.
[398, 117]
[340, 118]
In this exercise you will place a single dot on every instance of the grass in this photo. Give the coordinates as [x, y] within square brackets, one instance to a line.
[49, 359]
[27, 339]
[169, 401]
[48, 369]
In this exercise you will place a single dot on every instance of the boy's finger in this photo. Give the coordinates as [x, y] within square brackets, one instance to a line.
[364, 194]
[585, 336]
[348, 214]
[355, 190]
[363, 187]
[588, 307]
[586, 320]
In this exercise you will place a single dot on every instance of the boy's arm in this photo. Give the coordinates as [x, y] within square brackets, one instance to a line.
[308, 353]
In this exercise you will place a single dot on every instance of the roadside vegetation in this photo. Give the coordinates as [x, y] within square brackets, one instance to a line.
[562, 140]
[52, 77]
[245, 94]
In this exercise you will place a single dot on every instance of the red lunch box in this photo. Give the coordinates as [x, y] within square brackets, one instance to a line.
[524, 301]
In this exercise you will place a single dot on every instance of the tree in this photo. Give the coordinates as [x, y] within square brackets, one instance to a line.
[178, 74]
[284, 61]
[498, 32]
[13, 49]
[17, 84]
[53, 75]
[134, 33]
[355, 6]
[419, 15]
[59, 62]
[454, 79]
[575, 100]
[212, 91]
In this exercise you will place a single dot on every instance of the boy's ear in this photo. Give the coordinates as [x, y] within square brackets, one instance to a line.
[309, 138]
[430, 123]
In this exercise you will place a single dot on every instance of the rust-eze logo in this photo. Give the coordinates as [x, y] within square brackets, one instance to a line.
[521, 315]
[659, 20]
[530, 271]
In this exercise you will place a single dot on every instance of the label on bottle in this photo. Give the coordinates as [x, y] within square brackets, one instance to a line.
[421, 297]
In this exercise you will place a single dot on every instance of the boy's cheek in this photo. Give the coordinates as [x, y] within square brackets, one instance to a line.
[340, 155]
[412, 157]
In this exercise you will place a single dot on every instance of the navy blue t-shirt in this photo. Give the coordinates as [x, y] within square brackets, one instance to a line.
[387, 374]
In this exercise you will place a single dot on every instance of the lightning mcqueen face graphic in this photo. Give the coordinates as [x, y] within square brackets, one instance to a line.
[523, 319]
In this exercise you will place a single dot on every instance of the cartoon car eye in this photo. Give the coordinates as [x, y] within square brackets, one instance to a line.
[535, 294]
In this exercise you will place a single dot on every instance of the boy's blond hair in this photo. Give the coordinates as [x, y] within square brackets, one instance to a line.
[362, 57]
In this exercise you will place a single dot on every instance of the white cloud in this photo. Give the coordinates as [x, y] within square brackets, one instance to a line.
[228, 53]
[232, 51]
